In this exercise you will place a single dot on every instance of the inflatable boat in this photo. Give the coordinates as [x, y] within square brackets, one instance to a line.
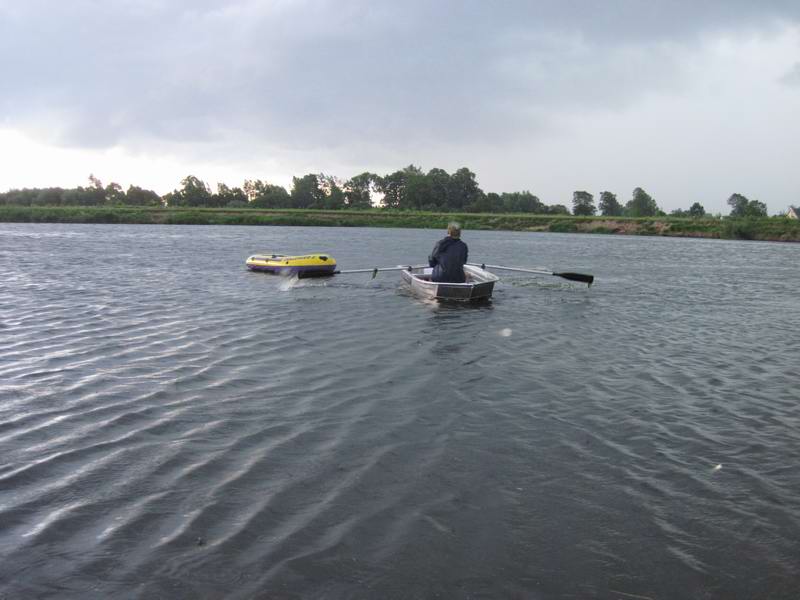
[310, 265]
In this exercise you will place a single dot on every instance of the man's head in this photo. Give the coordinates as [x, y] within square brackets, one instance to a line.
[454, 230]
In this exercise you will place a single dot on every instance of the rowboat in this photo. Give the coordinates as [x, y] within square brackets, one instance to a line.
[479, 284]
[309, 265]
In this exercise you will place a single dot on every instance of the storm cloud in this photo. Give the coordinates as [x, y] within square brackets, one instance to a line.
[356, 84]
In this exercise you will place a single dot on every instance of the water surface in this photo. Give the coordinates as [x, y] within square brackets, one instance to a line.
[172, 425]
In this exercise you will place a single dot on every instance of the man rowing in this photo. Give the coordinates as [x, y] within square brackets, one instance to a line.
[449, 256]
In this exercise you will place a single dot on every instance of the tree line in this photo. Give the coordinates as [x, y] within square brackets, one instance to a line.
[406, 189]
[642, 204]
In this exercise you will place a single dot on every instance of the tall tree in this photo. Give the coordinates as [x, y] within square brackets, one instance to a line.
[494, 202]
[332, 194]
[96, 183]
[609, 205]
[583, 204]
[641, 205]
[114, 194]
[306, 192]
[393, 188]
[556, 209]
[252, 188]
[756, 209]
[136, 196]
[335, 198]
[227, 196]
[481, 205]
[94, 195]
[48, 197]
[463, 189]
[195, 192]
[696, 210]
[738, 204]
[522, 202]
[416, 188]
[438, 188]
[358, 190]
[266, 195]
[741, 206]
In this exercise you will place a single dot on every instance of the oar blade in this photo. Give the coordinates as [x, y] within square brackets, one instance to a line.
[587, 279]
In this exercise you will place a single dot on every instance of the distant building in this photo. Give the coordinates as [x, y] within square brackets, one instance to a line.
[793, 213]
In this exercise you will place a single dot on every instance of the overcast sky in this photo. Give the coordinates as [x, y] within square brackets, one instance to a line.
[690, 100]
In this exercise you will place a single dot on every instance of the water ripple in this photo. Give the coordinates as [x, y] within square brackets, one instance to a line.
[172, 425]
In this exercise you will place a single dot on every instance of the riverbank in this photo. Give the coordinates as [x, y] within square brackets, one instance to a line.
[767, 229]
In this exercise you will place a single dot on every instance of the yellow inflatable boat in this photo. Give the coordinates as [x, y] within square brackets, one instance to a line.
[310, 265]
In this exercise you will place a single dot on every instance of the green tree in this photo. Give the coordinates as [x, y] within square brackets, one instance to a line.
[332, 193]
[495, 202]
[94, 195]
[72, 197]
[14, 198]
[266, 195]
[194, 192]
[358, 191]
[583, 204]
[335, 198]
[416, 192]
[306, 192]
[738, 204]
[252, 188]
[48, 197]
[227, 196]
[556, 209]
[96, 183]
[641, 205]
[756, 209]
[438, 188]
[741, 206]
[393, 188]
[522, 202]
[136, 196]
[696, 210]
[482, 204]
[609, 206]
[114, 194]
[463, 189]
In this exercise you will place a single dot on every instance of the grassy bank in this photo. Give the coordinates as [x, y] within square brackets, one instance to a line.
[774, 229]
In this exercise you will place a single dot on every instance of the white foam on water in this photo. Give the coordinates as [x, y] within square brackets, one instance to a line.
[289, 283]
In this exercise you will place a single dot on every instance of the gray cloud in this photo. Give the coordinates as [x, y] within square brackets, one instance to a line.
[358, 78]
[792, 76]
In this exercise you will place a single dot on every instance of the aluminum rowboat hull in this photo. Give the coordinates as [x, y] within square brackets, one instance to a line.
[479, 284]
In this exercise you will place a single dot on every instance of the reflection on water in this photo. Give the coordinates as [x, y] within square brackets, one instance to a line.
[173, 425]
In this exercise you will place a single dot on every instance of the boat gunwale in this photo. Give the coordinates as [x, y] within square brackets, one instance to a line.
[414, 274]
[468, 291]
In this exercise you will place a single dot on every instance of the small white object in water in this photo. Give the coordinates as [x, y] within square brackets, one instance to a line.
[717, 468]
[505, 332]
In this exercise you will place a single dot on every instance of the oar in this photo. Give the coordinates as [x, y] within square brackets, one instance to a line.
[376, 270]
[587, 279]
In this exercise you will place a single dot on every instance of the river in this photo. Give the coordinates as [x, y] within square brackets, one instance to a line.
[172, 425]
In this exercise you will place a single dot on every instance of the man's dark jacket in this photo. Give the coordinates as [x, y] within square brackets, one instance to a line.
[447, 259]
